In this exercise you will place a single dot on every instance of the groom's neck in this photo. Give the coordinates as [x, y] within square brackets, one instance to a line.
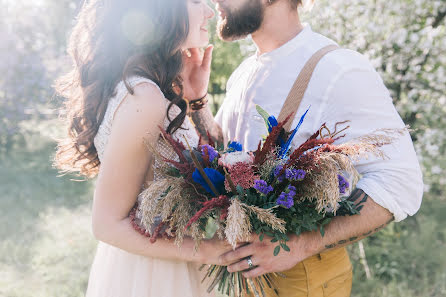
[280, 25]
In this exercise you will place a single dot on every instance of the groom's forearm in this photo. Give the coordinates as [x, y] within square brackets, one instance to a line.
[342, 231]
[205, 123]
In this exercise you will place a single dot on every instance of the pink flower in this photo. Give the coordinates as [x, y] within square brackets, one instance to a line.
[242, 175]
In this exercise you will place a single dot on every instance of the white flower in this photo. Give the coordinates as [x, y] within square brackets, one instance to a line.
[230, 159]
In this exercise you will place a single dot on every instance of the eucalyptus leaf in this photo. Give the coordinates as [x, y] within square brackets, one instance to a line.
[263, 113]
[277, 250]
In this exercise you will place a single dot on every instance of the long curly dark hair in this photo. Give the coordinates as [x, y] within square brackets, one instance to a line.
[112, 41]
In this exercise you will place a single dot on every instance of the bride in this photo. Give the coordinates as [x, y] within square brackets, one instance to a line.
[127, 80]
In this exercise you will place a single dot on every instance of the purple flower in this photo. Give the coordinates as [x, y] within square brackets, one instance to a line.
[343, 184]
[210, 150]
[277, 170]
[300, 174]
[295, 174]
[286, 199]
[261, 186]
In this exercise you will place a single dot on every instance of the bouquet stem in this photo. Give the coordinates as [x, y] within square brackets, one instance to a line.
[236, 284]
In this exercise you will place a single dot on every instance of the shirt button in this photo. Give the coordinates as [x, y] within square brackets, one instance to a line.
[325, 285]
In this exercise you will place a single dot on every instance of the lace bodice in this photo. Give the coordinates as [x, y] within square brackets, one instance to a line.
[101, 138]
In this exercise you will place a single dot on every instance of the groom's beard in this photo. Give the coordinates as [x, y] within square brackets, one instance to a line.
[242, 21]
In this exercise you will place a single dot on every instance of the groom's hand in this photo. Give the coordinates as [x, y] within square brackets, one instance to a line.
[196, 72]
[262, 256]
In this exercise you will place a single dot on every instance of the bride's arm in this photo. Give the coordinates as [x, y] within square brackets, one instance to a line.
[121, 175]
[205, 123]
[195, 75]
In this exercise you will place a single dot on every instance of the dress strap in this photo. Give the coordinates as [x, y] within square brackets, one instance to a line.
[121, 93]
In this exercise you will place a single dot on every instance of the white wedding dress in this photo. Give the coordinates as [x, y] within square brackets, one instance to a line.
[117, 273]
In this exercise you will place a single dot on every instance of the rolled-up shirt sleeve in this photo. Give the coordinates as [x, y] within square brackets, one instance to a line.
[359, 95]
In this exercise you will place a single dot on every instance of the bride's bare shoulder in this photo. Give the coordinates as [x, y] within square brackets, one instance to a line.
[140, 112]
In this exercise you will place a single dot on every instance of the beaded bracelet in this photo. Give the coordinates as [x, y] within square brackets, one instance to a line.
[198, 104]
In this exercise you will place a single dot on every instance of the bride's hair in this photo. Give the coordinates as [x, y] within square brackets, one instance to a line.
[111, 41]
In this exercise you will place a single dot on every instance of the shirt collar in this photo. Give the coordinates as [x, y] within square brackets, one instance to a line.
[289, 47]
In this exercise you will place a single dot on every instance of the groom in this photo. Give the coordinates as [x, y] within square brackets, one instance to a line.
[343, 87]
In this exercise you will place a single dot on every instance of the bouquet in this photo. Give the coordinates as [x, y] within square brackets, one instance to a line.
[273, 191]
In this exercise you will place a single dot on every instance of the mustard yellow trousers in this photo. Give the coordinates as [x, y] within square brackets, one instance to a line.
[327, 274]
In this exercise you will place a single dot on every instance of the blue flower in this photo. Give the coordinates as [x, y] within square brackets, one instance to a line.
[272, 122]
[216, 178]
[211, 151]
[235, 147]
[284, 147]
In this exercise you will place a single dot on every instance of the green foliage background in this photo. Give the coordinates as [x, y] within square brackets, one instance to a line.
[46, 245]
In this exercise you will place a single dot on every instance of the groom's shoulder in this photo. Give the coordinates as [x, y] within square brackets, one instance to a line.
[340, 59]
[346, 59]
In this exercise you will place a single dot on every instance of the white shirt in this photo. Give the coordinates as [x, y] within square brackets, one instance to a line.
[344, 86]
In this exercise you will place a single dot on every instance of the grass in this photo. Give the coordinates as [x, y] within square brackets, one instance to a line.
[46, 244]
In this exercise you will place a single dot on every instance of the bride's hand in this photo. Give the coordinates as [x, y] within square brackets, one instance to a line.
[210, 251]
[196, 72]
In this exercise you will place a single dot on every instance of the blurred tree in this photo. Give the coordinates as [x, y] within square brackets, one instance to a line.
[405, 40]
[32, 53]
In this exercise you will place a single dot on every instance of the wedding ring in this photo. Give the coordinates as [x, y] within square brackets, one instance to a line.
[249, 262]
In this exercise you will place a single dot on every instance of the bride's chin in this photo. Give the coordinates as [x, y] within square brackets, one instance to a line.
[200, 42]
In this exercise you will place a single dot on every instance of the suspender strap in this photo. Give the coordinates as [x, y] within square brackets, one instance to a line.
[300, 86]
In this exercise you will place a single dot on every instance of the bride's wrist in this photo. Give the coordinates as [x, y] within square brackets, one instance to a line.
[197, 104]
[190, 253]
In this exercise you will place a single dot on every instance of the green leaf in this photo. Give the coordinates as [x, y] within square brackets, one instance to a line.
[261, 237]
[264, 114]
[285, 247]
[240, 190]
[274, 240]
[277, 250]
[326, 221]
[322, 231]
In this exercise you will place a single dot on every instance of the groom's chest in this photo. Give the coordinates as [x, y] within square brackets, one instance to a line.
[257, 85]
[267, 86]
